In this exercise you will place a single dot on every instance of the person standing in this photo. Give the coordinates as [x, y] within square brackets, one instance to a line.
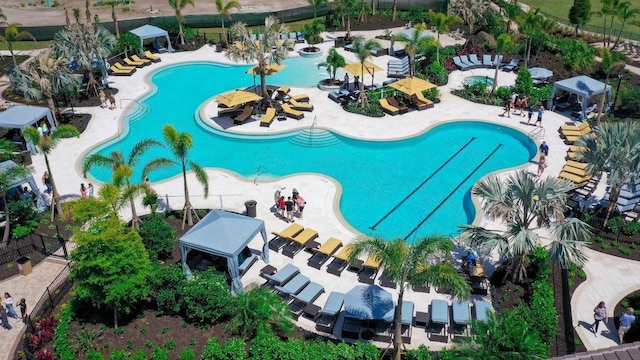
[277, 194]
[8, 302]
[356, 82]
[540, 112]
[524, 105]
[90, 190]
[112, 101]
[289, 207]
[83, 190]
[345, 82]
[46, 181]
[301, 204]
[281, 207]
[507, 109]
[626, 320]
[23, 309]
[4, 318]
[542, 164]
[103, 99]
[294, 197]
[529, 114]
[544, 148]
[599, 314]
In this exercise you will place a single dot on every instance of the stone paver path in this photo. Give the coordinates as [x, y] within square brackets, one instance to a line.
[30, 287]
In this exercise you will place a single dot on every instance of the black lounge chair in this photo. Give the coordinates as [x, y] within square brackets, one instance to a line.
[330, 311]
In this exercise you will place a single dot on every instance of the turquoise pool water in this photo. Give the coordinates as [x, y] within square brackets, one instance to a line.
[479, 79]
[381, 181]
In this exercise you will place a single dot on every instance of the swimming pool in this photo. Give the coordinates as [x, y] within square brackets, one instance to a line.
[381, 181]
[470, 80]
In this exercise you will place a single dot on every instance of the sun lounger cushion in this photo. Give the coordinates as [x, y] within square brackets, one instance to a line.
[511, 65]
[300, 97]
[582, 125]
[283, 275]
[461, 312]
[388, 108]
[133, 63]
[574, 170]
[486, 60]
[300, 106]
[116, 71]
[473, 59]
[439, 311]
[124, 67]
[293, 286]
[289, 232]
[137, 58]
[246, 264]
[407, 312]
[578, 165]
[244, 115]
[292, 113]
[573, 177]
[334, 304]
[310, 293]
[465, 60]
[483, 308]
[152, 57]
[459, 64]
[268, 117]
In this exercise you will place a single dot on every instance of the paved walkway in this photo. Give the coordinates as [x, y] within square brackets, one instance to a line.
[31, 287]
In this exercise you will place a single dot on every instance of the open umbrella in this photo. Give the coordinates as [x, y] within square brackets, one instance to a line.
[540, 73]
[368, 302]
[270, 69]
[357, 69]
[237, 97]
[412, 85]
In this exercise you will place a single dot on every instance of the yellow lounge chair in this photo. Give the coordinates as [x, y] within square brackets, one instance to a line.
[572, 155]
[244, 115]
[299, 242]
[152, 57]
[124, 67]
[579, 165]
[578, 180]
[340, 260]
[268, 117]
[386, 107]
[118, 72]
[584, 131]
[138, 58]
[300, 106]
[134, 63]
[300, 97]
[323, 253]
[575, 171]
[222, 111]
[284, 89]
[282, 237]
[578, 127]
[424, 100]
[369, 270]
[572, 139]
[292, 113]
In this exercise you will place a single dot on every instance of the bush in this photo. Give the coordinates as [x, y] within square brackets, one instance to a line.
[540, 95]
[543, 316]
[213, 350]
[631, 228]
[625, 251]
[157, 236]
[159, 354]
[94, 355]
[61, 343]
[437, 74]
[23, 214]
[503, 93]
[524, 82]
[629, 102]
[187, 354]
[421, 353]
[615, 224]
[166, 283]
[431, 94]
[206, 298]
[370, 109]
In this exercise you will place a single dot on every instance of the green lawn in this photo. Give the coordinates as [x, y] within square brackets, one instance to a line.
[25, 45]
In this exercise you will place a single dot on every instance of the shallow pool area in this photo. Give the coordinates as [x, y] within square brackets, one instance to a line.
[403, 188]
[479, 79]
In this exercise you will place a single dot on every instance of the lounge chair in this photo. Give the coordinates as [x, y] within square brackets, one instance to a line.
[406, 321]
[324, 252]
[575, 171]
[299, 241]
[339, 96]
[458, 62]
[300, 106]
[511, 65]
[283, 275]
[133, 63]
[293, 286]
[152, 57]
[268, 117]
[423, 100]
[465, 60]
[351, 328]
[124, 67]
[393, 102]
[292, 113]
[383, 331]
[439, 320]
[247, 263]
[482, 309]
[570, 139]
[159, 48]
[282, 238]
[369, 270]
[139, 59]
[386, 282]
[486, 60]
[576, 179]
[348, 47]
[308, 295]
[330, 311]
[379, 51]
[497, 61]
[118, 72]
[461, 316]
[244, 115]
[583, 131]
[340, 260]
[583, 125]
[229, 111]
[300, 97]
[578, 165]
[388, 108]
[473, 59]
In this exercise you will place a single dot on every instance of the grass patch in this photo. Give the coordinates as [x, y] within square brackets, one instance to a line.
[25, 45]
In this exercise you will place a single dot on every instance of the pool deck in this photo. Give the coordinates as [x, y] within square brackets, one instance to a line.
[230, 192]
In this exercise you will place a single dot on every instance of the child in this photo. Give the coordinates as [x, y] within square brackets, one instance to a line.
[23, 309]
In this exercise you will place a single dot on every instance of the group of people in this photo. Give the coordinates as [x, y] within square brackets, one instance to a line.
[104, 96]
[521, 104]
[86, 191]
[626, 320]
[7, 310]
[356, 82]
[287, 207]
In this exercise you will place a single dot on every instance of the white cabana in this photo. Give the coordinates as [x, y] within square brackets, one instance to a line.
[22, 116]
[41, 202]
[151, 32]
[583, 87]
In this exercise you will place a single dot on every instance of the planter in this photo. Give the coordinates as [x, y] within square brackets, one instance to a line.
[325, 85]
[310, 52]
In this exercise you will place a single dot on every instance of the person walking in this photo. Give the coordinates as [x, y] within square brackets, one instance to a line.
[46, 181]
[507, 109]
[4, 318]
[626, 320]
[112, 101]
[289, 207]
[301, 205]
[524, 105]
[599, 314]
[529, 114]
[544, 148]
[540, 112]
[23, 309]
[83, 191]
[103, 99]
[542, 164]
[8, 302]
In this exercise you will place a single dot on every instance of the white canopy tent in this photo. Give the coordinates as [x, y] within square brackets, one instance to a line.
[583, 87]
[151, 32]
[41, 202]
[22, 116]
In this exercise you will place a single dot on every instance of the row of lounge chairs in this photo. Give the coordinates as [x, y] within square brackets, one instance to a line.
[392, 106]
[132, 63]
[575, 172]
[297, 288]
[472, 62]
[571, 133]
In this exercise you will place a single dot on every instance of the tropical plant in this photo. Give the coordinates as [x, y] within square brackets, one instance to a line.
[178, 6]
[406, 264]
[524, 82]
[158, 237]
[206, 298]
[45, 77]
[471, 11]
[580, 14]
[625, 13]
[7, 175]
[13, 34]
[333, 62]
[610, 67]
[362, 49]
[269, 50]
[179, 143]
[315, 4]
[224, 9]
[258, 310]
[312, 33]
[123, 169]
[532, 24]
[415, 43]
[525, 205]
[442, 22]
[576, 54]
[46, 145]
[608, 8]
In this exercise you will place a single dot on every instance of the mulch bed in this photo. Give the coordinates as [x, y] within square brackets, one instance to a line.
[6, 63]
[605, 243]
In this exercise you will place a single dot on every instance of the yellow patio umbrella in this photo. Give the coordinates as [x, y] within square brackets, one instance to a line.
[237, 97]
[412, 85]
[270, 69]
[356, 68]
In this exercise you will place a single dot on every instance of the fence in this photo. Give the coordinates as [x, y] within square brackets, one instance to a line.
[598, 30]
[47, 245]
[611, 233]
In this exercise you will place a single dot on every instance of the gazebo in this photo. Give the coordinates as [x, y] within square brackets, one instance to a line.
[582, 86]
[224, 234]
[41, 202]
[22, 116]
[151, 32]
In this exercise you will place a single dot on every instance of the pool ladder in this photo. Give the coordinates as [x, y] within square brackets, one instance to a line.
[537, 133]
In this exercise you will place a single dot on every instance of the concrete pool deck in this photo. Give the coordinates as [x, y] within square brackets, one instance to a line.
[228, 191]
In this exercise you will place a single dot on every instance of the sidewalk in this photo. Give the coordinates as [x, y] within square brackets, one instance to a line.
[30, 287]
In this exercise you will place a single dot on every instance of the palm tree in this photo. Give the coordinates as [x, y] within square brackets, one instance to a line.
[406, 264]
[614, 148]
[45, 77]
[46, 145]
[608, 8]
[524, 205]
[179, 143]
[7, 175]
[471, 11]
[225, 10]
[123, 169]
[414, 43]
[625, 13]
[11, 35]
[312, 34]
[259, 311]
[530, 25]
[610, 68]
[332, 64]
[114, 17]
[269, 50]
[315, 4]
[178, 6]
[362, 49]
[347, 7]
[441, 22]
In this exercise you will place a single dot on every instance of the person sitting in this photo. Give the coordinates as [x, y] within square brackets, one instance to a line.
[469, 262]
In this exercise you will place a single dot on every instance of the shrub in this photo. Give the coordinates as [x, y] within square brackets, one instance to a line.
[631, 228]
[63, 349]
[437, 74]
[421, 353]
[158, 236]
[187, 354]
[139, 355]
[94, 355]
[606, 246]
[524, 82]
[542, 314]
[165, 285]
[206, 298]
[629, 102]
[212, 350]
[159, 354]
[119, 355]
[615, 224]
[170, 344]
[370, 109]
[23, 215]
[431, 94]
[503, 93]
[625, 251]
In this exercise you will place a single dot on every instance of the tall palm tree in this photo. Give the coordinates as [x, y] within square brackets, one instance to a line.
[608, 8]
[347, 7]
[524, 205]
[45, 77]
[442, 22]
[114, 17]
[614, 148]
[123, 169]
[179, 143]
[178, 6]
[414, 43]
[269, 50]
[625, 13]
[225, 10]
[611, 68]
[332, 64]
[362, 49]
[529, 26]
[315, 4]
[11, 34]
[7, 176]
[46, 145]
[406, 264]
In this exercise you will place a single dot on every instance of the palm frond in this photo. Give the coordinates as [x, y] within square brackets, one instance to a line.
[201, 176]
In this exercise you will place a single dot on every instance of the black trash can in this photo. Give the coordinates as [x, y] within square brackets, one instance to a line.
[26, 157]
[251, 207]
